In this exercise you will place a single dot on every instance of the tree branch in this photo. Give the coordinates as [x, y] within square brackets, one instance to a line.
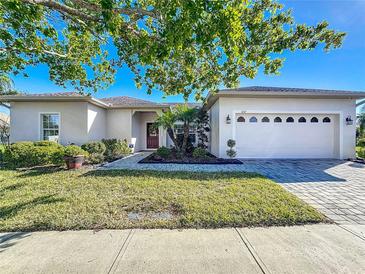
[33, 49]
[63, 8]
[53, 4]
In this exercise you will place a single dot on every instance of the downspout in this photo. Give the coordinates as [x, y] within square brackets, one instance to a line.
[4, 105]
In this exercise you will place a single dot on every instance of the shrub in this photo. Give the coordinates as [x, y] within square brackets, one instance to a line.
[73, 151]
[231, 153]
[231, 143]
[163, 152]
[116, 148]
[361, 142]
[28, 154]
[94, 147]
[46, 144]
[2, 150]
[361, 152]
[199, 153]
[96, 151]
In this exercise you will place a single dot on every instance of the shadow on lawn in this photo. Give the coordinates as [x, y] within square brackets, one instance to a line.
[12, 187]
[203, 176]
[37, 171]
[7, 212]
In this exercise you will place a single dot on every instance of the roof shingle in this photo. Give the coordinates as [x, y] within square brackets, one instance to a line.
[127, 101]
[284, 89]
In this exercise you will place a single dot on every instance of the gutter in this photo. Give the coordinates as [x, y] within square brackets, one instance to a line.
[360, 103]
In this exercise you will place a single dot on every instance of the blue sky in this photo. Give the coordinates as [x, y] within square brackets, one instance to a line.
[343, 68]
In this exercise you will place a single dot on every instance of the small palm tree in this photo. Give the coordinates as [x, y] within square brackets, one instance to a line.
[167, 120]
[187, 116]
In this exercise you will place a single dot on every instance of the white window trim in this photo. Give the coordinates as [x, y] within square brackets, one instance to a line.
[40, 125]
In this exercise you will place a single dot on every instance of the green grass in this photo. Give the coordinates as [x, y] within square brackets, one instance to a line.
[58, 200]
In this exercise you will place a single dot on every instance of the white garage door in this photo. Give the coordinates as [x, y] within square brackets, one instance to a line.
[286, 136]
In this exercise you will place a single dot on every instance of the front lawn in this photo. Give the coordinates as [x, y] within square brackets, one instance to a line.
[88, 199]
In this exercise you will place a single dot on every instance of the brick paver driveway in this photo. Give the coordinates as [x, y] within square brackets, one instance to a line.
[336, 188]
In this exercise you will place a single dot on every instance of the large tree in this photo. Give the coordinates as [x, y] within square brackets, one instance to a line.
[177, 46]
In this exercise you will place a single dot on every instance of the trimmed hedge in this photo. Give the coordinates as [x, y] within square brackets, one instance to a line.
[163, 152]
[96, 152]
[29, 154]
[116, 149]
[73, 151]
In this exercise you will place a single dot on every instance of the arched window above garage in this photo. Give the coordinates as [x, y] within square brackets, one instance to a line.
[277, 120]
[326, 120]
[290, 120]
[253, 119]
[241, 119]
[265, 120]
[314, 120]
[302, 120]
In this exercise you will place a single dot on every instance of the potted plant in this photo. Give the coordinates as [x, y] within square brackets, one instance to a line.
[74, 156]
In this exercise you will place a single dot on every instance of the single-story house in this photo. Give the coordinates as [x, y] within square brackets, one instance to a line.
[4, 119]
[265, 122]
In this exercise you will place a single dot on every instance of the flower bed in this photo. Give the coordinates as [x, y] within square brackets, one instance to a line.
[154, 158]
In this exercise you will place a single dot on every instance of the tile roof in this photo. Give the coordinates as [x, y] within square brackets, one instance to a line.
[291, 90]
[127, 101]
[55, 94]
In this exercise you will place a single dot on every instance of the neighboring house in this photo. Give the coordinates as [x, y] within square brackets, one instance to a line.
[4, 119]
[4, 128]
[266, 122]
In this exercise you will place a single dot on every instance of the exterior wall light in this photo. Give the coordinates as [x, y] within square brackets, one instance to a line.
[228, 119]
[349, 120]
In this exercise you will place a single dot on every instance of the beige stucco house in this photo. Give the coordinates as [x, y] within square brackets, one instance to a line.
[266, 122]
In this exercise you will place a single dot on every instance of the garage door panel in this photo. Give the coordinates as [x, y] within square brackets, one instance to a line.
[285, 140]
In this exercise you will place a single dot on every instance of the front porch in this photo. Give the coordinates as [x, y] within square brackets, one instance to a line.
[144, 135]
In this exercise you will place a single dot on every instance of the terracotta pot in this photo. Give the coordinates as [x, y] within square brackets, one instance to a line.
[74, 162]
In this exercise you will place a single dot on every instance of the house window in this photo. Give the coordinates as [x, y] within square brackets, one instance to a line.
[326, 120]
[50, 126]
[241, 119]
[179, 131]
[290, 120]
[277, 120]
[302, 120]
[265, 120]
[314, 120]
[253, 119]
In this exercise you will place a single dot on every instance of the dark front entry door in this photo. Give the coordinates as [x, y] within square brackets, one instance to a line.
[152, 136]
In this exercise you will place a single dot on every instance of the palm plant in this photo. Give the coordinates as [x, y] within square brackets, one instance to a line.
[181, 113]
[167, 120]
[187, 116]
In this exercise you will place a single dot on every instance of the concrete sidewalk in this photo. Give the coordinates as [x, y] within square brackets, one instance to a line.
[299, 249]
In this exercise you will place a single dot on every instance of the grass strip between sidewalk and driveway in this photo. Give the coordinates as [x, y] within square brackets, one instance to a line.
[53, 199]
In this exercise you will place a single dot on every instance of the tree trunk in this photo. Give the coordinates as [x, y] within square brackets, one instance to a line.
[172, 136]
[186, 138]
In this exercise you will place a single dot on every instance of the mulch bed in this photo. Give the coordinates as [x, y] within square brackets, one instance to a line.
[209, 160]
